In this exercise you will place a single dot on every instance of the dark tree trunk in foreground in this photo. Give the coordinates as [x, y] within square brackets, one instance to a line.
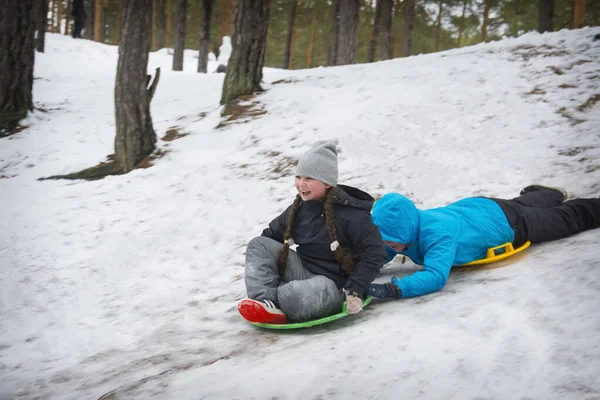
[207, 7]
[135, 135]
[334, 33]
[290, 34]
[374, 33]
[346, 51]
[385, 40]
[16, 62]
[41, 24]
[545, 16]
[409, 19]
[180, 17]
[244, 69]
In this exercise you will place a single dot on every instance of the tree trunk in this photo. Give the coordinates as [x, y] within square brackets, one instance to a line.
[311, 43]
[226, 19]
[78, 14]
[334, 33]
[578, 14]
[161, 24]
[68, 18]
[545, 16]
[244, 69]
[135, 137]
[54, 16]
[119, 20]
[17, 30]
[438, 24]
[374, 33]
[99, 21]
[207, 7]
[59, 11]
[486, 19]
[41, 20]
[90, 30]
[409, 19]
[385, 39]
[290, 34]
[180, 19]
[346, 52]
[169, 35]
[461, 27]
[154, 34]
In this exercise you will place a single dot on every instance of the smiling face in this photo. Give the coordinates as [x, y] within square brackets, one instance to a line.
[310, 189]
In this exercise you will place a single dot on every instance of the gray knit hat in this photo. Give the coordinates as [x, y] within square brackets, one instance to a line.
[320, 162]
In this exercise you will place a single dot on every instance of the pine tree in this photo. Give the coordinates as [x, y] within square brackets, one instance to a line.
[375, 32]
[41, 23]
[135, 137]
[385, 40]
[290, 34]
[334, 33]
[578, 14]
[346, 47]
[161, 24]
[16, 62]
[180, 22]
[244, 69]
[409, 19]
[205, 22]
[486, 18]
[99, 21]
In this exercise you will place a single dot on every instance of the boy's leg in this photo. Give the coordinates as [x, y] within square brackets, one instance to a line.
[262, 275]
[539, 196]
[316, 297]
[566, 219]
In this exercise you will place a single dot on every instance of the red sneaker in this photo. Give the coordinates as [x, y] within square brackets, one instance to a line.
[263, 311]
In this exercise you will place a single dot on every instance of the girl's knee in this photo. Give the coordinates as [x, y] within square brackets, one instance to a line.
[316, 297]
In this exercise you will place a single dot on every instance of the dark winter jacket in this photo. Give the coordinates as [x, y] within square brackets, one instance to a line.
[355, 231]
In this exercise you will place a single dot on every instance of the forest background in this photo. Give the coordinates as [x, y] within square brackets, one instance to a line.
[438, 25]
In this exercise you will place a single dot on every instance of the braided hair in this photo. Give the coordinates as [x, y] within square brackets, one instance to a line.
[346, 257]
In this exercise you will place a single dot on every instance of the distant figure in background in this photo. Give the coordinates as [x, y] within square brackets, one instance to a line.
[462, 232]
[221, 68]
[78, 13]
[339, 251]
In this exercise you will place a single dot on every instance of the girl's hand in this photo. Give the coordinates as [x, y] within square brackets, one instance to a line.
[354, 304]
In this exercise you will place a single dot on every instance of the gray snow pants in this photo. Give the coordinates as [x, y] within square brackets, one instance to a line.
[301, 295]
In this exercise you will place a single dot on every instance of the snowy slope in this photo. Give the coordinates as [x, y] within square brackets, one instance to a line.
[130, 283]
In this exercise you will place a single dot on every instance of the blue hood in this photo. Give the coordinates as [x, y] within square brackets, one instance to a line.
[397, 218]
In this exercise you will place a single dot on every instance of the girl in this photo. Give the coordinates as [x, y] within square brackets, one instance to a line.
[339, 253]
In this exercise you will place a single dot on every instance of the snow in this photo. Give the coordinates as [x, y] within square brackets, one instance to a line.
[130, 283]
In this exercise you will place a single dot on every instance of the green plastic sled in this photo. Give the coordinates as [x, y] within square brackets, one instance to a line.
[311, 323]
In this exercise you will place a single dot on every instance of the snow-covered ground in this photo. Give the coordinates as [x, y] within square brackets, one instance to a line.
[129, 284]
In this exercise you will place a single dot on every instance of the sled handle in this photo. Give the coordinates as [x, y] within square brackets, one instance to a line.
[492, 251]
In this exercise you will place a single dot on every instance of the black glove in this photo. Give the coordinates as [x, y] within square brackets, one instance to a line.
[384, 291]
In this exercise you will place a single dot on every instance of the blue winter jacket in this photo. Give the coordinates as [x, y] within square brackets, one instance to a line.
[439, 238]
